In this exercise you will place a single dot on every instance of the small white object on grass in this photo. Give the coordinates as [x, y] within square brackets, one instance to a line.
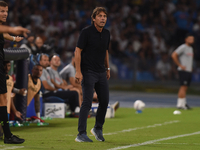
[176, 112]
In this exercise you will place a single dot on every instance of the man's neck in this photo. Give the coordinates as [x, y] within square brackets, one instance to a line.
[54, 68]
[34, 78]
[187, 44]
[98, 28]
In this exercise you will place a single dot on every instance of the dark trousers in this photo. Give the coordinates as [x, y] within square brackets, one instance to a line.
[70, 97]
[98, 81]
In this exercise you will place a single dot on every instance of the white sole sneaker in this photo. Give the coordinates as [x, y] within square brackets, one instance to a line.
[96, 137]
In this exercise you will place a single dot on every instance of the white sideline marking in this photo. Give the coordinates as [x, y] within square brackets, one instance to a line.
[176, 143]
[137, 128]
[11, 147]
[154, 141]
[146, 127]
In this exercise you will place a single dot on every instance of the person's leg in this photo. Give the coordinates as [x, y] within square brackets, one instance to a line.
[102, 91]
[89, 80]
[70, 97]
[182, 96]
[182, 91]
[37, 105]
[185, 79]
[79, 95]
[4, 115]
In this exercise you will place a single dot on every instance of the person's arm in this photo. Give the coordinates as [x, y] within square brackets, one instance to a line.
[12, 38]
[78, 75]
[14, 30]
[107, 65]
[17, 113]
[47, 86]
[176, 60]
[72, 82]
[57, 86]
[66, 86]
[37, 104]
[19, 91]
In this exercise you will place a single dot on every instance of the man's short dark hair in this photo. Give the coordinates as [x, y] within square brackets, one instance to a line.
[5, 62]
[36, 66]
[43, 54]
[188, 34]
[53, 55]
[96, 11]
[3, 4]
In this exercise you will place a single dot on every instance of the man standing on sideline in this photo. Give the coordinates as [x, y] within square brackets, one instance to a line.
[9, 138]
[183, 58]
[92, 68]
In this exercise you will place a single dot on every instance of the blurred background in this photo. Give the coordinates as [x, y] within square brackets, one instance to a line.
[144, 33]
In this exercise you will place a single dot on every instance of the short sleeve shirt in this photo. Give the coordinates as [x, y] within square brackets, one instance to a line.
[185, 54]
[55, 75]
[67, 72]
[46, 77]
[94, 45]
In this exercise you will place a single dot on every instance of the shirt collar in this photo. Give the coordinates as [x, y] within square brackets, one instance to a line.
[95, 29]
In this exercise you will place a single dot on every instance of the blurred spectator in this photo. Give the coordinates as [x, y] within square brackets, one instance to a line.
[163, 68]
[158, 44]
[29, 45]
[128, 22]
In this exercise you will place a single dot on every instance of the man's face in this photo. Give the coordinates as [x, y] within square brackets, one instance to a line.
[31, 39]
[100, 19]
[37, 71]
[44, 62]
[3, 13]
[55, 61]
[7, 67]
[189, 40]
[39, 42]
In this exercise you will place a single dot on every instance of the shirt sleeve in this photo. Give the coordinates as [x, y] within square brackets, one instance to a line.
[63, 74]
[180, 50]
[71, 72]
[43, 76]
[82, 40]
[51, 73]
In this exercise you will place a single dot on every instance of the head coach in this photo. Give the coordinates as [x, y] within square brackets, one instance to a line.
[92, 68]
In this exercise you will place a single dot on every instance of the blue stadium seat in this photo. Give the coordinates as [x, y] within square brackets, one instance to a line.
[144, 76]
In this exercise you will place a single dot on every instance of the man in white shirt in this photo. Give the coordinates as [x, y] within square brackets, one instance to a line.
[183, 58]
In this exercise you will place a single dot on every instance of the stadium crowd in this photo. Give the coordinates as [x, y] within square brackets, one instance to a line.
[143, 32]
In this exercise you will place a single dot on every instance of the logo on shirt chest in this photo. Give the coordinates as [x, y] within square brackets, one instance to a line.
[9, 84]
[57, 79]
[190, 54]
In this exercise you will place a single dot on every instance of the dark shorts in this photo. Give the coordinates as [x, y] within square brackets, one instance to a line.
[3, 87]
[185, 77]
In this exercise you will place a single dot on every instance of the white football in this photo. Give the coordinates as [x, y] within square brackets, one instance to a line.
[138, 105]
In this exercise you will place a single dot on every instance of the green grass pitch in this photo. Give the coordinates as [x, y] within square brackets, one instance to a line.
[127, 128]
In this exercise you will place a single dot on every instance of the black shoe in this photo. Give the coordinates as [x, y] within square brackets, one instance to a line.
[83, 138]
[13, 140]
[187, 106]
[98, 134]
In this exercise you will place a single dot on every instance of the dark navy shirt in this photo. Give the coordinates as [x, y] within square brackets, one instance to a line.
[94, 45]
